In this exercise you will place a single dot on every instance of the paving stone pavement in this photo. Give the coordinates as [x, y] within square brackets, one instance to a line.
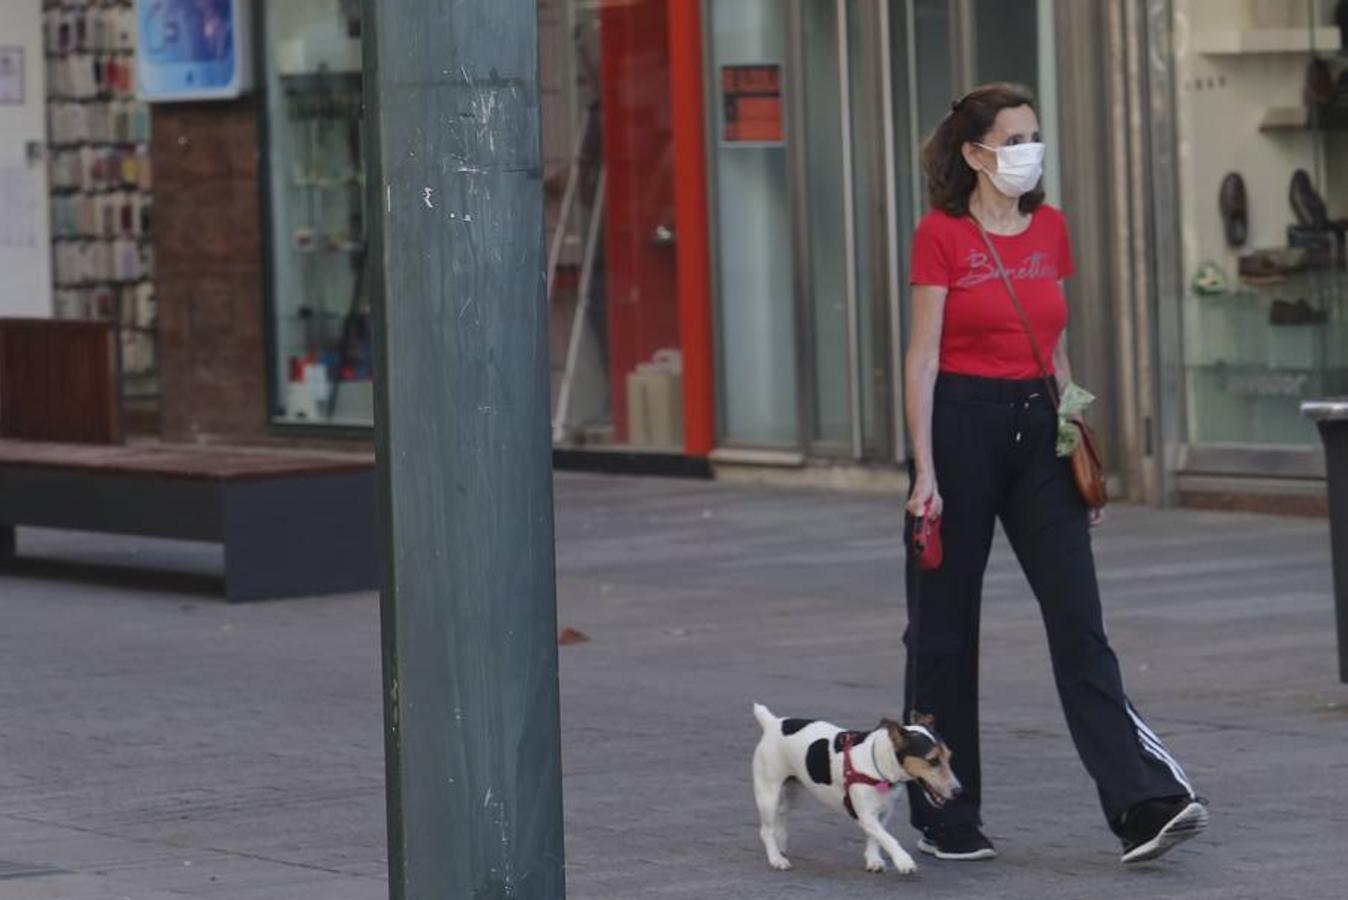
[157, 743]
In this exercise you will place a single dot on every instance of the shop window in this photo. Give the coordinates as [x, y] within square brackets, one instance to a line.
[608, 158]
[321, 366]
[1262, 121]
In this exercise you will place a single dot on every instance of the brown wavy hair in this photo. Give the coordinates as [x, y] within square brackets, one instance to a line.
[950, 181]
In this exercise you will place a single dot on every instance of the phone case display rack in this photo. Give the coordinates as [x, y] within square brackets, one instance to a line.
[101, 180]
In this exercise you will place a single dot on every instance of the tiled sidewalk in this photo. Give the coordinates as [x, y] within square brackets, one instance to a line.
[157, 743]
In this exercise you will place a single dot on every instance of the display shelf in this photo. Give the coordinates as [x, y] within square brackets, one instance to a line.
[1236, 42]
[101, 282]
[335, 184]
[117, 51]
[1285, 118]
[106, 97]
[1237, 330]
[329, 251]
[76, 145]
[69, 190]
[1296, 119]
[109, 238]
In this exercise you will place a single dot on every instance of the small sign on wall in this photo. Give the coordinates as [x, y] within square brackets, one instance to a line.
[193, 49]
[11, 75]
[751, 102]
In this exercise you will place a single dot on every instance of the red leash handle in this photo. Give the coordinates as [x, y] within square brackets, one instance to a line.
[927, 539]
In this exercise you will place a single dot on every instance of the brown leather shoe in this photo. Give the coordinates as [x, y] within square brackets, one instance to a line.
[1231, 202]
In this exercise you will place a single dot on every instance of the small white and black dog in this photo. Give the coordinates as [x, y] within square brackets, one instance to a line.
[851, 771]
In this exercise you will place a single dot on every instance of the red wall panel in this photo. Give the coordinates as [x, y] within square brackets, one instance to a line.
[640, 288]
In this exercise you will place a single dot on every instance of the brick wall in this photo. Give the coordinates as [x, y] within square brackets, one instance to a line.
[208, 255]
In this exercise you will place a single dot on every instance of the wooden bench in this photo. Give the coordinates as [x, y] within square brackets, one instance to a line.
[291, 523]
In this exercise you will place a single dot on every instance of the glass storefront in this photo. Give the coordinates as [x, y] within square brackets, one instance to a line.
[814, 110]
[756, 314]
[826, 202]
[608, 158]
[812, 217]
[320, 333]
[1262, 106]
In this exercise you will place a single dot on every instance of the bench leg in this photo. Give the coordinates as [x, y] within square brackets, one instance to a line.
[300, 537]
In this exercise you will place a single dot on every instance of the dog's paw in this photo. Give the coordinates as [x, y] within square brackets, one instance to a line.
[905, 866]
[780, 863]
[875, 865]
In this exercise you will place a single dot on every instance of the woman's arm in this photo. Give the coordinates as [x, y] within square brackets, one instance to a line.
[1062, 368]
[921, 364]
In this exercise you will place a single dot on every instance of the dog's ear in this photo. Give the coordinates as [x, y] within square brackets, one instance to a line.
[926, 720]
[897, 736]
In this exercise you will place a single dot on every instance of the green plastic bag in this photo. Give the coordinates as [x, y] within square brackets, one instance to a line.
[1073, 402]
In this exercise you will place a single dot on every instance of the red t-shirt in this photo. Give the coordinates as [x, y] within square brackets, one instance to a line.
[981, 333]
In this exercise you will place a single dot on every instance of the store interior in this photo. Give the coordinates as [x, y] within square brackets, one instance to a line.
[320, 332]
[1262, 120]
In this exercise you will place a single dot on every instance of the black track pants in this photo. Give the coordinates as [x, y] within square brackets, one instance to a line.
[993, 449]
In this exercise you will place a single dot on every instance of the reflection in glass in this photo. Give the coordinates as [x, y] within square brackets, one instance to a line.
[823, 146]
[756, 341]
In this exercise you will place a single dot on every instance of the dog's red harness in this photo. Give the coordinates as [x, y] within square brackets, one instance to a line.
[851, 776]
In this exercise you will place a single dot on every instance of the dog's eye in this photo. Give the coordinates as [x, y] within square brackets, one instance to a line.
[934, 762]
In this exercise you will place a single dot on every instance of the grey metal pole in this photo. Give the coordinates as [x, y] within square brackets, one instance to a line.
[1335, 434]
[1331, 416]
[454, 198]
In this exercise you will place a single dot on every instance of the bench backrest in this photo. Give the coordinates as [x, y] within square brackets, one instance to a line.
[58, 381]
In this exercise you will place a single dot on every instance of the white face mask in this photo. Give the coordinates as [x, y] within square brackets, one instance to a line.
[1019, 167]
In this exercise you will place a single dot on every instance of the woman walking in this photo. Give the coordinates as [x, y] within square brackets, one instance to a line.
[984, 433]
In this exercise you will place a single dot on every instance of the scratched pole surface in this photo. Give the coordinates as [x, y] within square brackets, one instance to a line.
[469, 609]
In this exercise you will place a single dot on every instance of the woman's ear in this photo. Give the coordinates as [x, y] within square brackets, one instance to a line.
[970, 154]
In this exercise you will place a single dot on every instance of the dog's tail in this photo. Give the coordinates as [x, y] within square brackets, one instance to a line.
[765, 716]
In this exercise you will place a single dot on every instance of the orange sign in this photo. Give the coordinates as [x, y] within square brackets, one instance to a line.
[752, 99]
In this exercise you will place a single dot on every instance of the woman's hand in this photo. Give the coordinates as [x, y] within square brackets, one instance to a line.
[924, 491]
[1097, 516]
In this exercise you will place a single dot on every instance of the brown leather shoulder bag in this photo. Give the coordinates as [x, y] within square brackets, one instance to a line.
[1087, 468]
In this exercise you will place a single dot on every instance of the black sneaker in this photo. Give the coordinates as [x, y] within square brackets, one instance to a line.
[963, 842]
[1153, 827]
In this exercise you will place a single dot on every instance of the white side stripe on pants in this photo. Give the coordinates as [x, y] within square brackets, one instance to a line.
[1153, 745]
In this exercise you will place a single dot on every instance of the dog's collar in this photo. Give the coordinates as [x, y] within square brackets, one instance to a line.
[881, 772]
